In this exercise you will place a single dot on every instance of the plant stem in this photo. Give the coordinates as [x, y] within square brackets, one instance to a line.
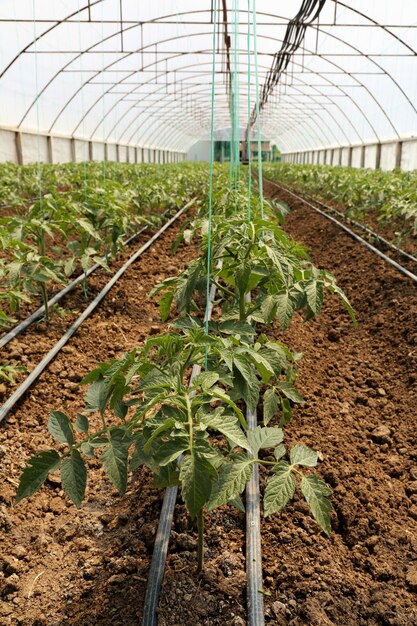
[242, 308]
[45, 303]
[200, 552]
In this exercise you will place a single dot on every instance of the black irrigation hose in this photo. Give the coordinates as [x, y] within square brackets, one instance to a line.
[160, 551]
[16, 330]
[254, 582]
[386, 258]
[34, 375]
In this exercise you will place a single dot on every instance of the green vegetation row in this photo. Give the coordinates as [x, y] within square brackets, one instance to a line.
[197, 437]
[81, 217]
[390, 196]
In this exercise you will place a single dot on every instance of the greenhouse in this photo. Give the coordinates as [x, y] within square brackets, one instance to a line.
[208, 313]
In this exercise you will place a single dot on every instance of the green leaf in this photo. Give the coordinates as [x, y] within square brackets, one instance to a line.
[206, 380]
[247, 384]
[279, 489]
[81, 423]
[271, 405]
[60, 427]
[87, 449]
[96, 396]
[264, 437]
[301, 455]
[315, 293]
[196, 476]
[279, 451]
[315, 491]
[170, 451]
[346, 302]
[219, 393]
[285, 308]
[115, 459]
[290, 392]
[242, 277]
[264, 367]
[164, 304]
[229, 426]
[36, 472]
[74, 477]
[231, 481]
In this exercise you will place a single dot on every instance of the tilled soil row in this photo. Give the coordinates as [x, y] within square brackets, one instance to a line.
[60, 565]
[360, 390]
[90, 566]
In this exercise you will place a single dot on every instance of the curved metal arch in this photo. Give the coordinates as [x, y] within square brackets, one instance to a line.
[267, 14]
[329, 34]
[145, 137]
[323, 76]
[368, 121]
[342, 71]
[309, 96]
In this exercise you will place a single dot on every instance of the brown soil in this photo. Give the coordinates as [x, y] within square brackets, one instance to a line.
[360, 386]
[87, 567]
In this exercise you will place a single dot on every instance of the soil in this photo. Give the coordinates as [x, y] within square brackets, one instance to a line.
[88, 567]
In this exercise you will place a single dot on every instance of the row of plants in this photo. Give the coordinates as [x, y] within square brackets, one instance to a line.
[82, 218]
[196, 436]
[361, 193]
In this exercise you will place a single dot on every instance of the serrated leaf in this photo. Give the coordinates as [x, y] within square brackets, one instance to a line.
[285, 308]
[231, 481]
[164, 304]
[301, 455]
[206, 380]
[81, 423]
[279, 451]
[264, 437]
[247, 384]
[315, 293]
[87, 449]
[290, 392]
[196, 477]
[262, 364]
[96, 396]
[60, 427]
[270, 405]
[115, 459]
[279, 489]
[229, 426]
[36, 472]
[170, 451]
[74, 477]
[315, 491]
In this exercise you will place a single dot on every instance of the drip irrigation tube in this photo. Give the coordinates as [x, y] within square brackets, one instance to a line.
[254, 583]
[16, 330]
[350, 232]
[34, 375]
[160, 551]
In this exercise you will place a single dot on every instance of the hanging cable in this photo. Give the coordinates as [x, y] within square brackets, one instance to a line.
[210, 204]
[294, 35]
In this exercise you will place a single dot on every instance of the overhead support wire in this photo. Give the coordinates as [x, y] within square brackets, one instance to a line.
[294, 36]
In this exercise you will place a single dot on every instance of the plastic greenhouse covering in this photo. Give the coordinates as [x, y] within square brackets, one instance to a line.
[139, 73]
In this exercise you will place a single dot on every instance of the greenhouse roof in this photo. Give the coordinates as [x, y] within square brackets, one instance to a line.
[139, 73]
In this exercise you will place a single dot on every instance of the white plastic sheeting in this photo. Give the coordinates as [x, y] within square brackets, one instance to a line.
[139, 73]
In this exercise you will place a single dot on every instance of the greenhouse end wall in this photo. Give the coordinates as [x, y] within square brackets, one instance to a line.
[25, 147]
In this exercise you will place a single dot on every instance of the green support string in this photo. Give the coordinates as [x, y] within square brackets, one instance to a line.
[210, 207]
[249, 115]
[258, 119]
[37, 105]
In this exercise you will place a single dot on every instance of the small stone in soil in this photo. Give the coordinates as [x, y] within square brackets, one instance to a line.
[381, 434]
